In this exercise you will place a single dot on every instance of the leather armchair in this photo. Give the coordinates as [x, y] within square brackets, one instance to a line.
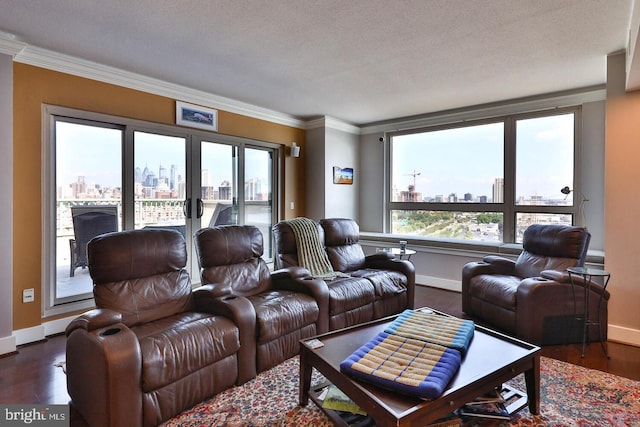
[284, 306]
[153, 347]
[378, 285]
[532, 297]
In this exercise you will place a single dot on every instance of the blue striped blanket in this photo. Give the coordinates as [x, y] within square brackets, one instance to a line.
[410, 359]
[434, 328]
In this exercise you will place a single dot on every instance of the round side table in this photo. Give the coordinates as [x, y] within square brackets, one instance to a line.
[398, 253]
[588, 274]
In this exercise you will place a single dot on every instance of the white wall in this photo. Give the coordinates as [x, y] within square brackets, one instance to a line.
[342, 150]
[7, 342]
[315, 172]
[593, 145]
[328, 147]
[372, 172]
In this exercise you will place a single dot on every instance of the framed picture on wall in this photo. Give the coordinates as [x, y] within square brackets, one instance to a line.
[342, 175]
[196, 116]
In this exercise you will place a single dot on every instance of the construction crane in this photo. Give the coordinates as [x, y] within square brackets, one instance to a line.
[414, 174]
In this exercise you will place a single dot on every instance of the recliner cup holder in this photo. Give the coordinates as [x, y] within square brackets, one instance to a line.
[110, 331]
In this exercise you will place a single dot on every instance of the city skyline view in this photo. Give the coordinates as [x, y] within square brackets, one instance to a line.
[94, 155]
[468, 160]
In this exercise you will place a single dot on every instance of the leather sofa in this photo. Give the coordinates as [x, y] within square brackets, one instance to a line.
[283, 307]
[153, 347]
[378, 285]
[532, 297]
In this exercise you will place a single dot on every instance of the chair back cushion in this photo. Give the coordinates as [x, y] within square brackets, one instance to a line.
[140, 273]
[341, 238]
[552, 247]
[232, 255]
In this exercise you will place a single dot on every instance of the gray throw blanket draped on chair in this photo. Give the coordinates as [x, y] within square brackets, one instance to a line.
[311, 253]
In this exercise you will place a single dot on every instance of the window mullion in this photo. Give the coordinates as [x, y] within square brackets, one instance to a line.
[508, 207]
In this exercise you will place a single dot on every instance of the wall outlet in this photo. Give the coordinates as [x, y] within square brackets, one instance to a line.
[292, 205]
[28, 295]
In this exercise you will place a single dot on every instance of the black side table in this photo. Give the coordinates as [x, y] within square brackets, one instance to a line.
[587, 275]
[398, 252]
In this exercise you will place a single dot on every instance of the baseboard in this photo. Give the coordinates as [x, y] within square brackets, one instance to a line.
[623, 335]
[437, 282]
[57, 326]
[7, 345]
[29, 335]
[40, 332]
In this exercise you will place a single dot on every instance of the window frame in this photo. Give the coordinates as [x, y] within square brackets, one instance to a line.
[509, 208]
[51, 114]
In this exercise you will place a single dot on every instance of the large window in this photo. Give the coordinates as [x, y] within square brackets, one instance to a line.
[107, 174]
[484, 181]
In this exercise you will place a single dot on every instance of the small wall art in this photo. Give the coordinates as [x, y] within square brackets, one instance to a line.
[342, 175]
[196, 116]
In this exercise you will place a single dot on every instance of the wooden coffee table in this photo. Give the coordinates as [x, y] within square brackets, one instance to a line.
[492, 359]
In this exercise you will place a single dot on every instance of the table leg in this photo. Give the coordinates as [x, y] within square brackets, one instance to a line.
[585, 332]
[305, 378]
[532, 380]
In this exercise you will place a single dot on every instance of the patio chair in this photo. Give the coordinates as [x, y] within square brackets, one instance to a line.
[89, 221]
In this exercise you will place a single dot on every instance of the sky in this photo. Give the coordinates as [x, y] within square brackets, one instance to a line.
[460, 160]
[468, 159]
[96, 153]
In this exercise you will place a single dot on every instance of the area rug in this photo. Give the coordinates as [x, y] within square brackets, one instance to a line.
[570, 396]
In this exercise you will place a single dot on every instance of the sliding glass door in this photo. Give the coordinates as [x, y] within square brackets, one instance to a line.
[105, 174]
[160, 197]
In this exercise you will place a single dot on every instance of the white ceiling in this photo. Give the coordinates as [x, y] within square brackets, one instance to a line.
[360, 61]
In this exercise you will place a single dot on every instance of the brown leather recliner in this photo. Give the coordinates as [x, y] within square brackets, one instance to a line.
[532, 297]
[378, 285]
[153, 347]
[285, 306]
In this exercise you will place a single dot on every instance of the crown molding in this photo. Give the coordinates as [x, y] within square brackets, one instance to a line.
[332, 123]
[55, 61]
[486, 111]
[10, 45]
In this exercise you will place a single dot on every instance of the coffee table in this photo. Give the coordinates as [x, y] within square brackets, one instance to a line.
[492, 358]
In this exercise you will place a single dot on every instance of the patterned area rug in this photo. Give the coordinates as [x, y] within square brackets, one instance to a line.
[570, 396]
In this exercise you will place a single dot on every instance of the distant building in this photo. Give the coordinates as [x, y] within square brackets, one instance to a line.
[224, 191]
[411, 195]
[498, 190]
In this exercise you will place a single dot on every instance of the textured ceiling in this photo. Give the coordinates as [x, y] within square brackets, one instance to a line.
[360, 61]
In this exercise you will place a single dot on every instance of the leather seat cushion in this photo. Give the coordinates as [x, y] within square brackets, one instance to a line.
[386, 283]
[349, 293]
[279, 313]
[175, 346]
[499, 290]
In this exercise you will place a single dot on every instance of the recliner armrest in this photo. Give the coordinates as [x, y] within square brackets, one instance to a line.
[214, 289]
[239, 310]
[403, 266]
[296, 281]
[501, 265]
[94, 319]
[384, 255]
[99, 350]
[558, 276]
[290, 273]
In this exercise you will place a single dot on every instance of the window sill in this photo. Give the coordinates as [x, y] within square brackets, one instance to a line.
[458, 246]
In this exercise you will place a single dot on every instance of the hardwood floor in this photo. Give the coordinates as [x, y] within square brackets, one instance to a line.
[31, 374]
[624, 360]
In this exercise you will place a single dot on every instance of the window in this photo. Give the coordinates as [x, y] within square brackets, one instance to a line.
[109, 173]
[486, 180]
